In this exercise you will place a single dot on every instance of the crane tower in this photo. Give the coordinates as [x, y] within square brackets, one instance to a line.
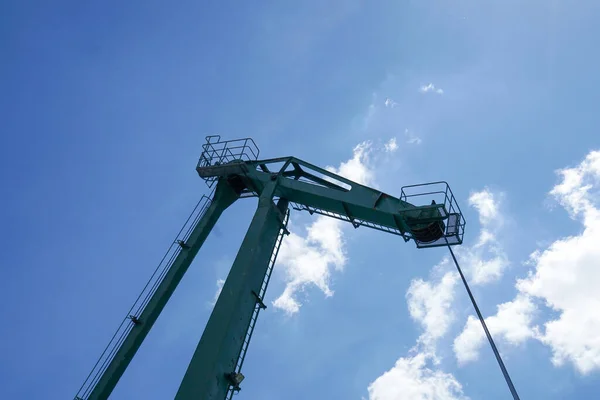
[427, 214]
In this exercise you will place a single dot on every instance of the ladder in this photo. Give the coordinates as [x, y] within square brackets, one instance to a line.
[233, 389]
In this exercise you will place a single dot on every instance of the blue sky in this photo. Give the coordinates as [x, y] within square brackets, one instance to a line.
[104, 110]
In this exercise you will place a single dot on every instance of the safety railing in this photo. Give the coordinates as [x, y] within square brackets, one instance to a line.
[356, 222]
[439, 197]
[216, 152]
[133, 315]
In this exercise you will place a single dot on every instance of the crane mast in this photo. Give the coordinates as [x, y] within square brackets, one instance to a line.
[232, 169]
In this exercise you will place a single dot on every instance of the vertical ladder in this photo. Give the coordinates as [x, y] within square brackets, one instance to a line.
[259, 303]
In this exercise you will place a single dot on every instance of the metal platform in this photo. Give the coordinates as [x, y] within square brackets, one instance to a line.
[444, 225]
[220, 158]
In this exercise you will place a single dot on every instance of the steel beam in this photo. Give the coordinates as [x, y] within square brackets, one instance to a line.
[219, 348]
[224, 196]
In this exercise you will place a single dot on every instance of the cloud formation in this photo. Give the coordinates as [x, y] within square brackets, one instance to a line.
[309, 260]
[411, 379]
[391, 146]
[486, 204]
[390, 103]
[430, 88]
[567, 273]
[430, 303]
[565, 277]
[220, 283]
[411, 138]
[416, 376]
[512, 323]
[485, 261]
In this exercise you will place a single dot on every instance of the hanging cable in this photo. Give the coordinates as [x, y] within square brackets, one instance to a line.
[513, 391]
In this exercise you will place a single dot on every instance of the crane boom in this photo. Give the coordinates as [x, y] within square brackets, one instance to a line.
[331, 194]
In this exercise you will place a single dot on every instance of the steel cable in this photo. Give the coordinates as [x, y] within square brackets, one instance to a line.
[513, 391]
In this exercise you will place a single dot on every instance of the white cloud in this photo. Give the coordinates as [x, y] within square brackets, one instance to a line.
[309, 260]
[430, 88]
[573, 192]
[220, 283]
[565, 276]
[367, 118]
[412, 379]
[430, 305]
[286, 300]
[512, 322]
[486, 204]
[411, 138]
[485, 261]
[390, 103]
[357, 168]
[416, 376]
[391, 146]
[567, 273]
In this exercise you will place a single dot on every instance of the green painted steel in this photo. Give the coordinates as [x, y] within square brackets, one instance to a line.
[333, 195]
[223, 198]
[304, 187]
[219, 348]
[360, 202]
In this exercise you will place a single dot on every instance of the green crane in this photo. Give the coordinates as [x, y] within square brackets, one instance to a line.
[232, 169]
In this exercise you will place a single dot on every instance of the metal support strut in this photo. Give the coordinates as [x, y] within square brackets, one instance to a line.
[212, 370]
[513, 391]
[149, 304]
[260, 305]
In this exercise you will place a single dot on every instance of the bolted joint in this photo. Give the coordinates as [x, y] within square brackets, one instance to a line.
[259, 301]
[182, 244]
[234, 379]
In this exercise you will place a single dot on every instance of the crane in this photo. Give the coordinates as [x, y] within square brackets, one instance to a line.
[428, 214]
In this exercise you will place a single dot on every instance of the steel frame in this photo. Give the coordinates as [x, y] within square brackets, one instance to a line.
[215, 368]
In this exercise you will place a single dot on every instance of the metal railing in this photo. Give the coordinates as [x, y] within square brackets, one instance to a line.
[131, 318]
[356, 222]
[440, 192]
[216, 152]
